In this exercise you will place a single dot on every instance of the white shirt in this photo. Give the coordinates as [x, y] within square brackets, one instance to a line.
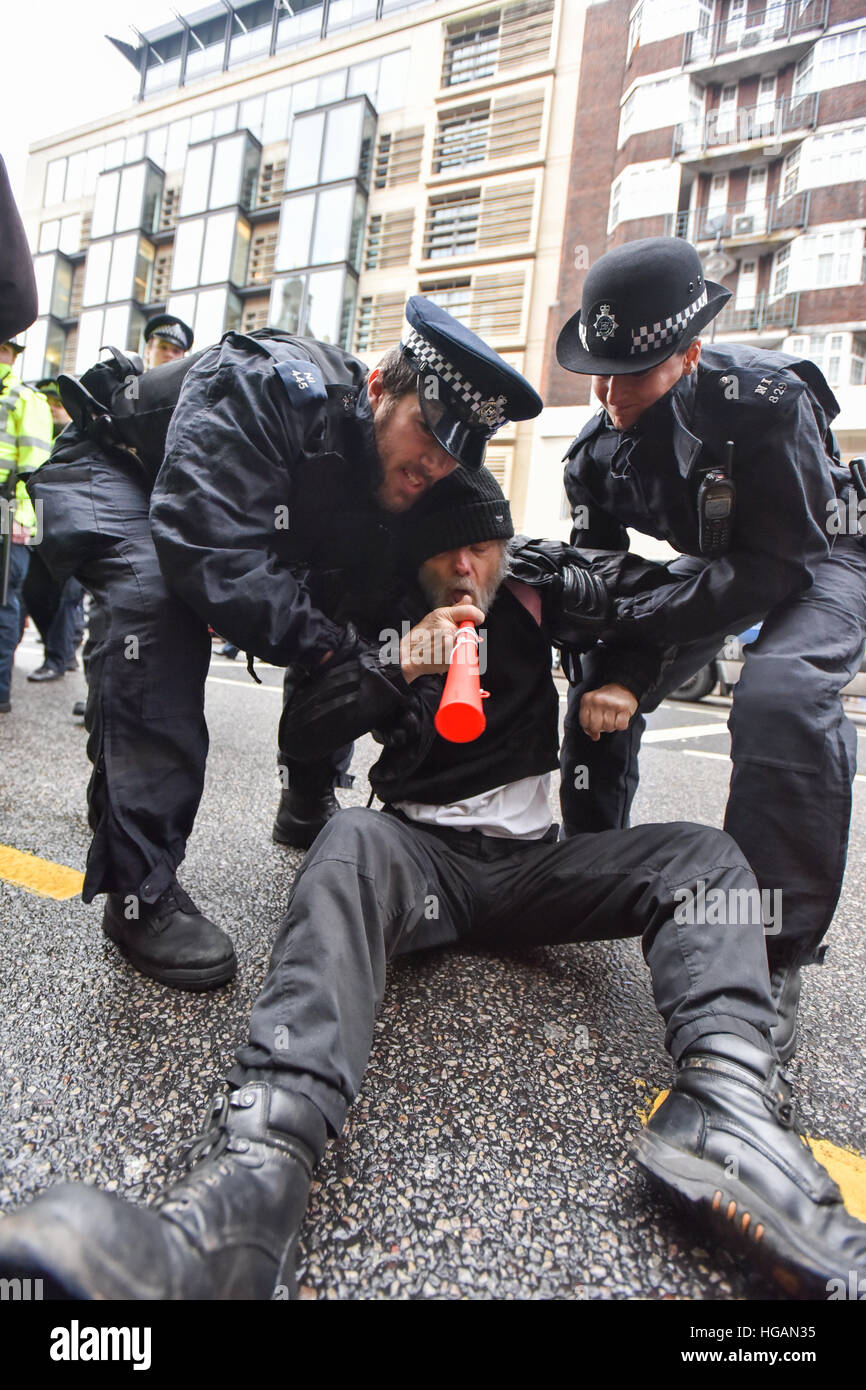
[517, 811]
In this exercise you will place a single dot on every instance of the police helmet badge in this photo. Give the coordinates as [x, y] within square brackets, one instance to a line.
[605, 324]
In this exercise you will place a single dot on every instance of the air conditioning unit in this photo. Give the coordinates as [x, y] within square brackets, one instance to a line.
[743, 226]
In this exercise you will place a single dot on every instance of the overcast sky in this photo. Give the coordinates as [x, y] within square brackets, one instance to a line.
[60, 71]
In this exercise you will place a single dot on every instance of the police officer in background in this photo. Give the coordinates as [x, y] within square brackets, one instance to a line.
[166, 338]
[285, 470]
[725, 452]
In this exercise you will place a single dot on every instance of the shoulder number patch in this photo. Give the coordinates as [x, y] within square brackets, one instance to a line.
[302, 381]
[771, 390]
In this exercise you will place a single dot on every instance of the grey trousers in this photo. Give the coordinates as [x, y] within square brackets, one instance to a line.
[374, 886]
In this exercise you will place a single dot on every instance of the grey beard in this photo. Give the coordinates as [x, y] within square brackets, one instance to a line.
[436, 594]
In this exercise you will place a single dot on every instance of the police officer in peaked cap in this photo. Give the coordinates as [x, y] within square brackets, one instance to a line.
[275, 516]
[725, 452]
[166, 338]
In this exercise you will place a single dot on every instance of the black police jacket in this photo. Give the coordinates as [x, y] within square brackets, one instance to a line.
[785, 470]
[262, 513]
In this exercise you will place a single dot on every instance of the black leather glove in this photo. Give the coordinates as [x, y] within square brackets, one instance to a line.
[575, 601]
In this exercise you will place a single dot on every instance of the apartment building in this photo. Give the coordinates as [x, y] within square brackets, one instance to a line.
[742, 127]
[309, 165]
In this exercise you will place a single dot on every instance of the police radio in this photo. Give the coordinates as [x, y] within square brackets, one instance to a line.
[717, 497]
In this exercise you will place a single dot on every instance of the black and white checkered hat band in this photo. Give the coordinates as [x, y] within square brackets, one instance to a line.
[659, 334]
[493, 416]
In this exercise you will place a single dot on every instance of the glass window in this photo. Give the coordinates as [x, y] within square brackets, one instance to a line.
[252, 115]
[178, 139]
[323, 309]
[162, 75]
[251, 33]
[95, 166]
[143, 272]
[342, 139]
[49, 235]
[90, 339]
[305, 153]
[114, 153]
[187, 254]
[206, 49]
[43, 270]
[304, 94]
[183, 307]
[210, 313]
[76, 168]
[201, 127]
[219, 243]
[286, 298]
[55, 178]
[225, 119]
[134, 149]
[393, 76]
[238, 271]
[104, 204]
[278, 109]
[332, 86]
[130, 201]
[296, 227]
[364, 79]
[122, 268]
[196, 179]
[115, 327]
[228, 167]
[70, 234]
[157, 141]
[302, 25]
[96, 272]
[333, 222]
[343, 14]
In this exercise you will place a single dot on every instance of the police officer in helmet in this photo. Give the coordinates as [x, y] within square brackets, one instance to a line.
[726, 452]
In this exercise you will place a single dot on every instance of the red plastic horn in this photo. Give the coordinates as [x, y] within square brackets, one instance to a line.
[460, 717]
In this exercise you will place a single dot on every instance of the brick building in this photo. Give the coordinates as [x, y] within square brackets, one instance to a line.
[742, 127]
[310, 166]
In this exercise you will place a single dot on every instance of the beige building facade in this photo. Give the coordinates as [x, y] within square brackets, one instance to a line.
[310, 167]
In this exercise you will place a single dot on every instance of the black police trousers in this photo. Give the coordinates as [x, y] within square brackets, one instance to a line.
[147, 659]
[375, 886]
[793, 749]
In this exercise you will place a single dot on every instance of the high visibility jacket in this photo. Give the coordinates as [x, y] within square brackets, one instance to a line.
[26, 430]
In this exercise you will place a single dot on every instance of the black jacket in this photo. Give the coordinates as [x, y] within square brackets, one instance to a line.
[262, 513]
[784, 470]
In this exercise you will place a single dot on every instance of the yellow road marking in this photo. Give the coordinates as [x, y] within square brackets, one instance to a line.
[845, 1166]
[39, 875]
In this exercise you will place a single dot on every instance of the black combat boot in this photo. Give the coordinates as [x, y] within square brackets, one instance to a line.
[171, 941]
[786, 982]
[302, 814]
[725, 1142]
[227, 1230]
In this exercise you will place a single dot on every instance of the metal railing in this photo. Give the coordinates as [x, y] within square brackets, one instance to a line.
[766, 121]
[780, 313]
[779, 23]
[753, 220]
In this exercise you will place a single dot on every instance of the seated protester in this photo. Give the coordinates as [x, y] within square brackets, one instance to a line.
[469, 823]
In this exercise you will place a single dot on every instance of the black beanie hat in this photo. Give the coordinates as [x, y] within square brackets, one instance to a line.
[463, 509]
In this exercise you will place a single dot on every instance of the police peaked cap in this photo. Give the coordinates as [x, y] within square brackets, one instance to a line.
[641, 303]
[466, 390]
[14, 344]
[174, 330]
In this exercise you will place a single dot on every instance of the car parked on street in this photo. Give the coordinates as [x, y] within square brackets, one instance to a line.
[722, 674]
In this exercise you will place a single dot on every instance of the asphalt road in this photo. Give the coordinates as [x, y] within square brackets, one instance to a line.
[486, 1156]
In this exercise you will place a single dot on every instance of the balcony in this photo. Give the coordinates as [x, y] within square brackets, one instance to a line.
[763, 316]
[750, 44]
[725, 137]
[743, 224]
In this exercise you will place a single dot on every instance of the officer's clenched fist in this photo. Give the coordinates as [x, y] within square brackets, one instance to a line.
[605, 710]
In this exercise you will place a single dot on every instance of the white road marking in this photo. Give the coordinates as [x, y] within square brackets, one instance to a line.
[685, 731]
[702, 753]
